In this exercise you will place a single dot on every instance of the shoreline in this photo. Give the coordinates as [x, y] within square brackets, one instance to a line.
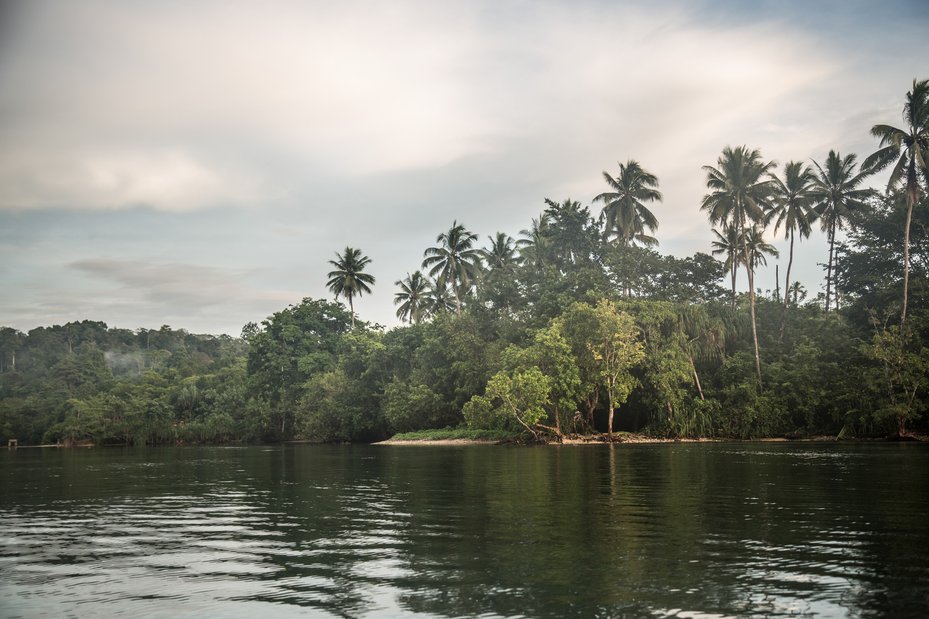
[638, 439]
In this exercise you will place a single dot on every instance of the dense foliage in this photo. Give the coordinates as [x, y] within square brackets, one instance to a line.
[579, 325]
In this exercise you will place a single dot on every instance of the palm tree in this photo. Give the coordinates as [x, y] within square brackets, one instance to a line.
[837, 196]
[739, 190]
[792, 207]
[348, 280]
[534, 244]
[501, 257]
[728, 243]
[625, 212]
[758, 247]
[412, 297]
[910, 149]
[455, 261]
[437, 298]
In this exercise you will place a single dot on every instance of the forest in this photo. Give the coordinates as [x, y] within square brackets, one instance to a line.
[575, 325]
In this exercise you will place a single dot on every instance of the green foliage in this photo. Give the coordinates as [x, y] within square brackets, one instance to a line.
[518, 397]
[901, 378]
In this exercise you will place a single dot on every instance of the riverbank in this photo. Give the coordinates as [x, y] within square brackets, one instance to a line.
[631, 438]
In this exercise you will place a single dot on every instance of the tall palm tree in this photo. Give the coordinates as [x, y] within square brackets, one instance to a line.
[625, 213]
[728, 243]
[348, 279]
[740, 187]
[412, 297]
[455, 260]
[909, 148]
[792, 207]
[836, 195]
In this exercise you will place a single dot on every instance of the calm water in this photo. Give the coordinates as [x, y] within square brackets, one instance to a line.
[712, 530]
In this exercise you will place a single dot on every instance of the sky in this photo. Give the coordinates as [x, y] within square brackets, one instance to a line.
[197, 164]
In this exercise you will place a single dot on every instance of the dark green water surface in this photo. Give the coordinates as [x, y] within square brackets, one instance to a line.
[674, 530]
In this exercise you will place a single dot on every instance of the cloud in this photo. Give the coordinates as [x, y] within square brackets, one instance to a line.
[121, 104]
[264, 137]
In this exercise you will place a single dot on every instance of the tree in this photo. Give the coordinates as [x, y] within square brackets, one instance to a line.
[909, 148]
[349, 280]
[550, 353]
[758, 247]
[412, 297]
[739, 191]
[455, 261]
[502, 257]
[903, 376]
[533, 247]
[792, 207]
[605, 347]
[519, 396]
[437, 299]
[625, 213]
[837, 196]
[728, 243]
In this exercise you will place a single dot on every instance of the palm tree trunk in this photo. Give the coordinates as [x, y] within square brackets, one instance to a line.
[733, 271]
[457, 297]
[829, 267]
[696, 376]
[751, 298]
[790, 261]
[910, 201]
[351, 310]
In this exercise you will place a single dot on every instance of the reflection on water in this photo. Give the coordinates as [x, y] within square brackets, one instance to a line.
[719, 530]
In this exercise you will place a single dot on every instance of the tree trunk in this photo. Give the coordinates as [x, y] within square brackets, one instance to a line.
[609, 429]
[351, 309]
[910, 201]
[790, 262]
[733, 272]
[829, 267]
[457, 298]
[751, 298]
[696, 376]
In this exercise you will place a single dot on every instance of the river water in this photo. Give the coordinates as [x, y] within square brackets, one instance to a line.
[669, 530]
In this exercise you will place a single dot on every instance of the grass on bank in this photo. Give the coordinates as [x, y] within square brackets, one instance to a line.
[446, 434]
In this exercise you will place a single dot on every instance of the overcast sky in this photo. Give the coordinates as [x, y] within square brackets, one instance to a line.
[197, 164]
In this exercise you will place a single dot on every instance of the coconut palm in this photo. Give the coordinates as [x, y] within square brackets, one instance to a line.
[535, 242]
[349, 280]
[455, 261]
[437, 299]
[758, 247]
[909, 148]
[728, 243]
[836, 195]
[625, 213]
[502, 256]
[792, 207]
[740, 188]
[412, 297]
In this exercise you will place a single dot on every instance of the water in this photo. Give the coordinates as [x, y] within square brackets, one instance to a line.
[681, 530]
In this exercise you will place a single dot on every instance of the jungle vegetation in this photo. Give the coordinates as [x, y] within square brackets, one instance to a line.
[577, 324]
